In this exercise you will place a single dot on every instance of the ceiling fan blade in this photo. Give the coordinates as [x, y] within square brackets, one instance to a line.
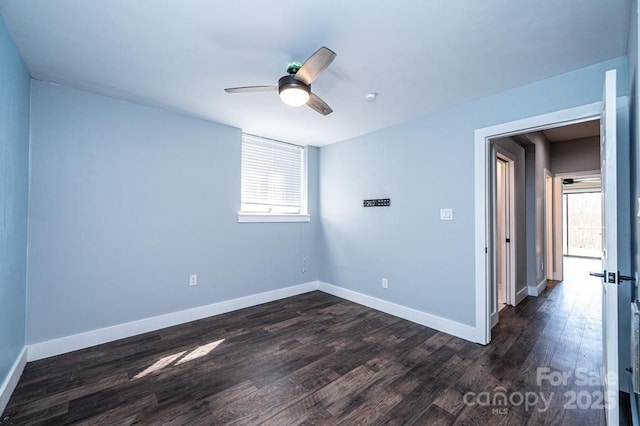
[571, 181]
[319, 105]
[316, 63]
[251, 89]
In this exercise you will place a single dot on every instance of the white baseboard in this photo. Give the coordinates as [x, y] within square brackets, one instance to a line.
[11, 381]
[40, 350]
[74, 342]
[537, 290]
[520, 295]
[494, 319]
[463, 331]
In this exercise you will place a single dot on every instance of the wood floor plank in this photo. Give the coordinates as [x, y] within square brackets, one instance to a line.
[288, 390]
[451, 400]
[59, 398]
[435, 416]
[412, 406]
[123, 414]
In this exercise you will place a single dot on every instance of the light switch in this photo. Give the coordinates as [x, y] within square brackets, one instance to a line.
[446, 214]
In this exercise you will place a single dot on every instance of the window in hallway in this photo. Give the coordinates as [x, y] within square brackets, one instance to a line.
[582, 225]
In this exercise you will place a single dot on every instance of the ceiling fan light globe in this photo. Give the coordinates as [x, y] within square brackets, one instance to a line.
[293, 92]
[294, 96]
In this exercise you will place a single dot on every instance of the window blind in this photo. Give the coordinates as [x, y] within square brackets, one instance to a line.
[272, 179]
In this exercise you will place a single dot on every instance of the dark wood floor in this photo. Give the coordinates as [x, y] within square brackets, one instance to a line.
[318, 359]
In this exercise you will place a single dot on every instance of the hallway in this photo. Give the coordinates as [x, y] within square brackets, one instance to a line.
[550, 349]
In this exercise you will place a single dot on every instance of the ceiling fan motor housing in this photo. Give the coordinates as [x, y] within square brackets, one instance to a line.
[290, 82]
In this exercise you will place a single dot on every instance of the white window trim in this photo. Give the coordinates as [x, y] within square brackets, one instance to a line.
[271, 217]
[303, 216]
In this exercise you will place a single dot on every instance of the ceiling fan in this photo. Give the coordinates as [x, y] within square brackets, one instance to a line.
[295, 88]
[571, 181]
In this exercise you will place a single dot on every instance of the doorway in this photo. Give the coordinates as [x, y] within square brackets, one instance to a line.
[535, 259]
[570, 148]
[530, 206]
[615, 199]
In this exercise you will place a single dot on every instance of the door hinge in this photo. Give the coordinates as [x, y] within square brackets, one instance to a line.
[508, 240]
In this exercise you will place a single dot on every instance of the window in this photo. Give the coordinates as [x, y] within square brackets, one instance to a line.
[273, 181]
[582, 224]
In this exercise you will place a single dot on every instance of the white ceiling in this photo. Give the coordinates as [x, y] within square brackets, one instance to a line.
[420, 56]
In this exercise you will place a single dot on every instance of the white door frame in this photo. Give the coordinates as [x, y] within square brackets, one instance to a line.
[549, 225]
[558, 231]
[483, 219]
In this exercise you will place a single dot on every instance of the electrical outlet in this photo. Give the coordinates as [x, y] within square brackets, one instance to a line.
[193, 279]
[385, 283]
[446, 214]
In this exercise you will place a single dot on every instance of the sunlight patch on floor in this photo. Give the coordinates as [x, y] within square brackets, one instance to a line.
[200, 351]
[179, 358]
[159, 365]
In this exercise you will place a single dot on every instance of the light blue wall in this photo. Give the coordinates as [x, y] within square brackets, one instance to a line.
[425, 165]
[127, 201]
[14, 188]
[537, 262]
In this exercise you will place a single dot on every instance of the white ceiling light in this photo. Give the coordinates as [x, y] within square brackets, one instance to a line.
[293, 92]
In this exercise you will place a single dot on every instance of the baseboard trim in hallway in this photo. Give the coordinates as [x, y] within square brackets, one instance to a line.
[537, 290]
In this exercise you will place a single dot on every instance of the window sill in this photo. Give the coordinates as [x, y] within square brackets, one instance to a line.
[265, 217]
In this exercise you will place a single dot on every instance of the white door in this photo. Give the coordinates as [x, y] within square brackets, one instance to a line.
[503, 224]
[609, 248]
[509, 245]
[501, 232]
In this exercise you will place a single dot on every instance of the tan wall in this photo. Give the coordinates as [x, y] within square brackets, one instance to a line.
[580, 155]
